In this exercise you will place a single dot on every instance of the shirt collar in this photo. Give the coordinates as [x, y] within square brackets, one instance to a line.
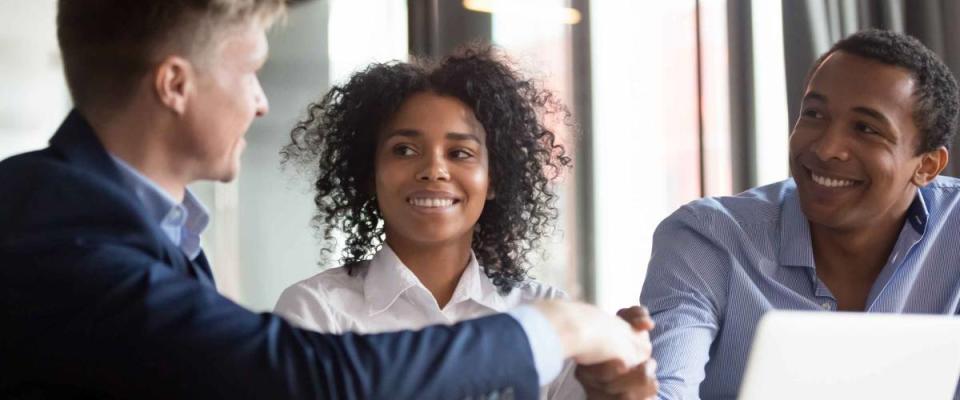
[475, 286]
[796, 248]
[387, 278]
[196, 222]
[918, 213]
[182, 223]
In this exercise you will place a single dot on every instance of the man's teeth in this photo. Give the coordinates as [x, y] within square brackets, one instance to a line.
[432, 203]
[831, 182]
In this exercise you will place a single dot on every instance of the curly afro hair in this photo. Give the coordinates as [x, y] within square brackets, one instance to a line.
[938, 101]
[338, 139]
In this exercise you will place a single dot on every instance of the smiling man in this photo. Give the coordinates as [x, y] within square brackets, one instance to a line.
[866, 224]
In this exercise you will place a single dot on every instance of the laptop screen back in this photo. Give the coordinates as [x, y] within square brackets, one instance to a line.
[838, 355]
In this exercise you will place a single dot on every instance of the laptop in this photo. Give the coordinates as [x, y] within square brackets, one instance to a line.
[840, 355]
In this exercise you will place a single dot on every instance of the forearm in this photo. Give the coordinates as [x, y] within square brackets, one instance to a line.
[684, 333]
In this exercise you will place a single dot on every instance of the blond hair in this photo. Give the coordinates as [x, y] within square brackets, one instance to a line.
[107, 45]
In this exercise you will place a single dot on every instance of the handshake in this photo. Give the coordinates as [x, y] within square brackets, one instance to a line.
[613, 354]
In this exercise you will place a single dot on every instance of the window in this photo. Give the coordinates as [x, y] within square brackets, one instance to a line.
[646, 133]
[35, 94]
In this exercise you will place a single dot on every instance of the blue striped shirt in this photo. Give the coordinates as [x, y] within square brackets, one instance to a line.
[719, 264]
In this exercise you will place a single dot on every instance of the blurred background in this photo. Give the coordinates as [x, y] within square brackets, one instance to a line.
[674, 100]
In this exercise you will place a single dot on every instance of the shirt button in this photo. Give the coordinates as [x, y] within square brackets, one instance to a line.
[826, 305]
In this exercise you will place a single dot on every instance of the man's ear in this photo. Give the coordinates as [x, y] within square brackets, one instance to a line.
[173, 81]
[931, 164]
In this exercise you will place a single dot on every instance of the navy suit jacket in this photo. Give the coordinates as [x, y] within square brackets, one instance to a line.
[95, 300]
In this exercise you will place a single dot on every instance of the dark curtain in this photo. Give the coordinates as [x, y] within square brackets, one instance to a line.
[742, 102]
[810, 27]
[437, 27]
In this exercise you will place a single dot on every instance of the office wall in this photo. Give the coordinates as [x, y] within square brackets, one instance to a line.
[34, 95]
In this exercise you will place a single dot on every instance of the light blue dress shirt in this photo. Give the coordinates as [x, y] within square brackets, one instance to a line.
[181, 222]
[544, 342]
[719, 264]
[184, 222]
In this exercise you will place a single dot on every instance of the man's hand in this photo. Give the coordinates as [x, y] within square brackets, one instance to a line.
[613, 379]
[638, 317]
[591, 336]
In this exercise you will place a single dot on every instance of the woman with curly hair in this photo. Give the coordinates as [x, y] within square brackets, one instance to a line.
[439, 176]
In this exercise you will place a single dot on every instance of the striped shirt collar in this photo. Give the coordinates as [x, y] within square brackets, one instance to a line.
[796, 248]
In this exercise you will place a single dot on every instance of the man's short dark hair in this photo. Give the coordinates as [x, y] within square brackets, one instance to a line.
[107, 45]
[937, 102]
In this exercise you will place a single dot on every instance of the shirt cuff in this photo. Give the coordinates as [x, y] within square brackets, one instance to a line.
[544, 342]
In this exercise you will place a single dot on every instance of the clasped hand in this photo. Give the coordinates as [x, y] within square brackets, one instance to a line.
[617, 378]
[612, 352]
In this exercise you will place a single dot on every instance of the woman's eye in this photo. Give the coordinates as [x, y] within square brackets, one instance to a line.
[460, 154]
[862, 127]
[403, 150]
[812, 114]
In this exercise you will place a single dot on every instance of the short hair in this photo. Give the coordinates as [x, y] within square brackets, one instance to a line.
[107, 45]
[936, 93]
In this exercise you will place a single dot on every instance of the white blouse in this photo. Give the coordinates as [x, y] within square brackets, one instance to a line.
[384, 295]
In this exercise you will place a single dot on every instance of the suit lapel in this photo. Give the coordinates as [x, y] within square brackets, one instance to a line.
[202, 270]
[79, 145]
[199, 268]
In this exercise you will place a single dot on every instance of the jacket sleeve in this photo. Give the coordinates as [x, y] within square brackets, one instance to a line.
[110, 317]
